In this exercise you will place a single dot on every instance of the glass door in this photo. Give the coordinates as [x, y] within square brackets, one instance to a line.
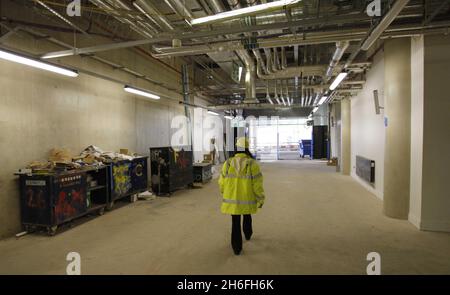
[278, 139]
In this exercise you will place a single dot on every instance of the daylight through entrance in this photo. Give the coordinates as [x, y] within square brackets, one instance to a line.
[278, 139]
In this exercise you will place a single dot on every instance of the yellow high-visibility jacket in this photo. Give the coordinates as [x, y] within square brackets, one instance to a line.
[241, 185]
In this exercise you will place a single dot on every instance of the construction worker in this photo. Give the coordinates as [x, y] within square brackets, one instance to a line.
[241, 185]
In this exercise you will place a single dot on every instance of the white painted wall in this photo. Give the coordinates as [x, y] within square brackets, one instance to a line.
[367, 128]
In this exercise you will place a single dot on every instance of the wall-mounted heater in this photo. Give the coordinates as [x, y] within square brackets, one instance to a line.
[365, 169]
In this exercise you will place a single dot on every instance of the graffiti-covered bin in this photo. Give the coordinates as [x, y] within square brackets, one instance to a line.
[171, 168]
[52, 199]
[128, 177]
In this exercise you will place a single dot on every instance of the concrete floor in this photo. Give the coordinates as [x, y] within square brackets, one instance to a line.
[315, 221]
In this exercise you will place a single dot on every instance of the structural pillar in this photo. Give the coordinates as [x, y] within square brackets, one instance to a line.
[397, 85]
[345, 136]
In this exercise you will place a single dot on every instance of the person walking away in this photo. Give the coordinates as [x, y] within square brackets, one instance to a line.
[241, 185]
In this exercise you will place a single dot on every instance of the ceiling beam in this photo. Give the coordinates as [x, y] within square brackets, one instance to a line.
[165, 37]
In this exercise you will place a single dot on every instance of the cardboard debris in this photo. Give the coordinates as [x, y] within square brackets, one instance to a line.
[60, 155]
[92, 156]
[147, 196]
[332, 162]
[37, 166]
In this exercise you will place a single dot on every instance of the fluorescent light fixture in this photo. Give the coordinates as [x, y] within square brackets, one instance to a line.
[281, 4]
[315, 109]
[213, 113]
[240, 72]
[140, 92]
[338, 80]
[10, 56]
[323, 99]
[229, 117]
[52, 55]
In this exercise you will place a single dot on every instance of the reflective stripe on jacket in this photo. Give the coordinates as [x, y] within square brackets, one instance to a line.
[241, 185]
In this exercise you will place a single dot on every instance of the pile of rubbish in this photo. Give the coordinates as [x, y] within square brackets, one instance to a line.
[93, 154]
[63, 160]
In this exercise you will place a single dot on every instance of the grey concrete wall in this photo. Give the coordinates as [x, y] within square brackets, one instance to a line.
[41, 110]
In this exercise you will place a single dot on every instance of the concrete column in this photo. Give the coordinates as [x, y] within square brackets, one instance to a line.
[397, 53]
[345, 137]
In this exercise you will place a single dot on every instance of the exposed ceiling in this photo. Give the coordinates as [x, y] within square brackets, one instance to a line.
[287, 57]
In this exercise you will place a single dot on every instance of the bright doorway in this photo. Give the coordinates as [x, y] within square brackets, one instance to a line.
[278, 139]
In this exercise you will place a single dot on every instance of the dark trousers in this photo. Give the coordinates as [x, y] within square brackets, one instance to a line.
[236, 235]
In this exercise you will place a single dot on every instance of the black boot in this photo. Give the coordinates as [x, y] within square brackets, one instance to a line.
[248, 230]
[236, 236]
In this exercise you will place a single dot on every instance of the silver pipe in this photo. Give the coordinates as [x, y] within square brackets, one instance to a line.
[385, 22]
[276, 93]
[260, 61]
[152, 11]
[121, 5]
[269, 63]
[148, 16]
[283, 58]
[104, 61]
[109, 10]
[287, 93]
[252, 106]
[316, 100]
[303, 97]
[338, 53]
[234, 4]
[309, 97]
[62, 18]
[231, 89]
[179, 8]
[216, 6]
[250, 75]
[267, 93]
[379, 29]
[276, 60]
[281, 93]
[291, 72]
[434, 29]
